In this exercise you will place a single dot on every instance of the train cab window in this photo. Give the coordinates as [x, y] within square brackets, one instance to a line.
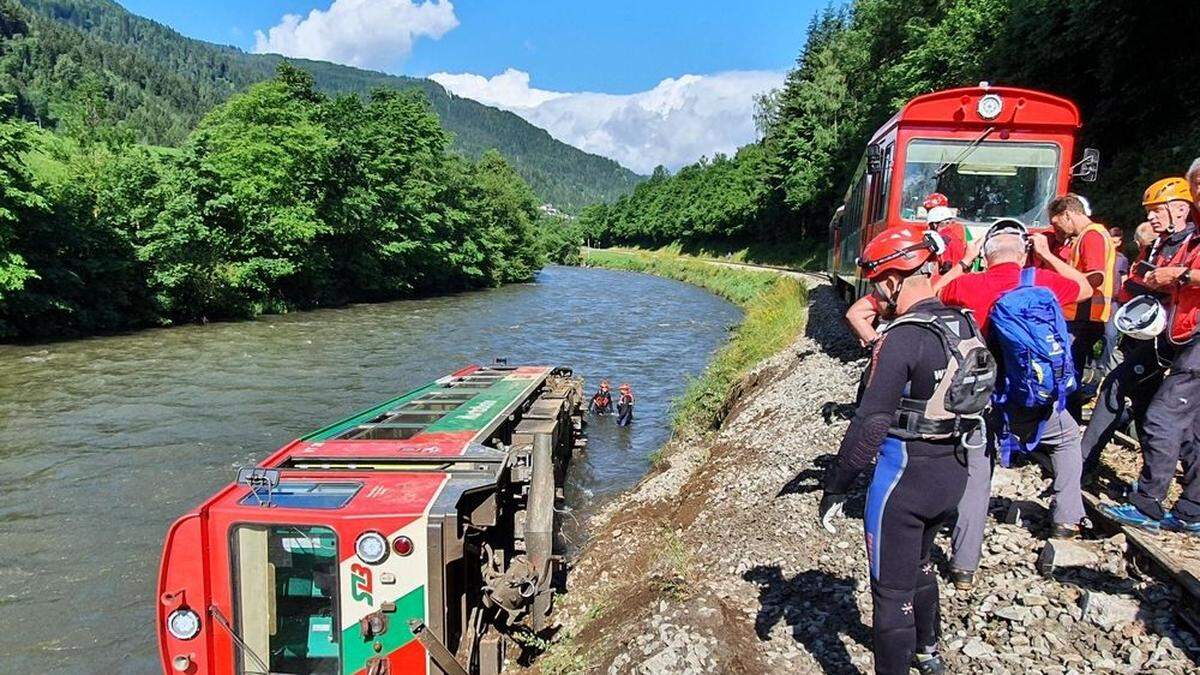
[983, 181]
[304, 495]
[285, 589]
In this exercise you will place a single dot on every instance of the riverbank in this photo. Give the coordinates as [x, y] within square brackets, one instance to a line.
[715, 562]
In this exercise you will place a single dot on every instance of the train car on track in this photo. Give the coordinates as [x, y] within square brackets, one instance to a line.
[993, 151]
[414, 537]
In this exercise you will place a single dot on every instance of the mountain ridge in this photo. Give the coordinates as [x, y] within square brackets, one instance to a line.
[169, 80]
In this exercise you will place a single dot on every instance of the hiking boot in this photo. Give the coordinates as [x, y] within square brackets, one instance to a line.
[963, 580]
[1129, 515]
[1174, 523]
[1064, 531]
[929, 664]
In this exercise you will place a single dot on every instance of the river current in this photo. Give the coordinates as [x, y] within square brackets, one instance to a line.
[105, 441]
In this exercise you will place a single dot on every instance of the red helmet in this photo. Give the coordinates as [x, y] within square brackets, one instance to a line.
[935, 199]
[903, 249]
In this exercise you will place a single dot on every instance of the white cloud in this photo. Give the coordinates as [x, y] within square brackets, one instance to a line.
[673, 124]
[363, 33]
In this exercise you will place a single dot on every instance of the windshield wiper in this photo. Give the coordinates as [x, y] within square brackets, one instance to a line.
[965, 153]
[224, 623]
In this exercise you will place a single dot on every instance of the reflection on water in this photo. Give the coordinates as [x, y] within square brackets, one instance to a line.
[104, 442]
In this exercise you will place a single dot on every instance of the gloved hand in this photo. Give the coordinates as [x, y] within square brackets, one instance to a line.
[832, 506]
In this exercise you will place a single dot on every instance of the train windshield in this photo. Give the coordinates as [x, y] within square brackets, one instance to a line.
[983, 181]
[286, 588]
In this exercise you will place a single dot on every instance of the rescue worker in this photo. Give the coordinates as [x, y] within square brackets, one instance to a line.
[1172, 419]
[602, 400]
[625, 405]
[1005, 251]
[917, 481]
[868, 311]
[1089, 249]
[1168, 204]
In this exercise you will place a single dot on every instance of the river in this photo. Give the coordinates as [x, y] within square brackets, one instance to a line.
[104, 441]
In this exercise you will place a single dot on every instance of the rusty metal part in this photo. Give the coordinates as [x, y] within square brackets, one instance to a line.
[377, 665]
[437, 651]
[511, 589]
[539, 527]
[373, 624]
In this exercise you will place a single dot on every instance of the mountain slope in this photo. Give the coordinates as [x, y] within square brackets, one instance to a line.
[160, 83]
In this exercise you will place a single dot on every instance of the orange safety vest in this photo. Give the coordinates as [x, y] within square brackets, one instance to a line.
[1099, 306]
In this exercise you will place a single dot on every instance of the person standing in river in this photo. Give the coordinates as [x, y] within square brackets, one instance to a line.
[920, 473]
[625, 405]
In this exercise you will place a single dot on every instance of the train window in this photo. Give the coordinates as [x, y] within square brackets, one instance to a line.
[983, 182]
[304, 495]
[881, 184]
[285, 587]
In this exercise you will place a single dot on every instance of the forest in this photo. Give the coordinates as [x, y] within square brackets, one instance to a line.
[158, 84]
[280, 198]
[1126, 64]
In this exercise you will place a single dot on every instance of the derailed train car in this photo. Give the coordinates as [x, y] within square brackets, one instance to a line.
[414, 537]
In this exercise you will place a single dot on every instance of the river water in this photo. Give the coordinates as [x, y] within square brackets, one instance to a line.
[103, 442]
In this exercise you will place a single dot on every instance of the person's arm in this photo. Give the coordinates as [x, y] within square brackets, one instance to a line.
[964, 266]
[1041, 249]
[890, 373]
[1093, 255]
[1166, 277]
[862, 317]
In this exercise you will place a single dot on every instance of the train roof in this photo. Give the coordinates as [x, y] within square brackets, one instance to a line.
[1021, 108]
[443, 420]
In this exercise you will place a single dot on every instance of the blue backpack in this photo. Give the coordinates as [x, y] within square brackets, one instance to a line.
[1028, 327]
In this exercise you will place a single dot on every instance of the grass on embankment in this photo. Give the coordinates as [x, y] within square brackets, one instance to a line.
[774, 308]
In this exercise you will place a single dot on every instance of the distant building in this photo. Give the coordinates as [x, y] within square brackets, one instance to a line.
[550, 210]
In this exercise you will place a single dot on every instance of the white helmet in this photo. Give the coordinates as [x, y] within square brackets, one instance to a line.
[1142, 318]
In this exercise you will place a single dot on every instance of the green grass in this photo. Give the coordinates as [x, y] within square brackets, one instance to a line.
[800, 254]
[774, 308]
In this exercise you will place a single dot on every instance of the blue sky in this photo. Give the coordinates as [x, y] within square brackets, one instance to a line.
[547, 54]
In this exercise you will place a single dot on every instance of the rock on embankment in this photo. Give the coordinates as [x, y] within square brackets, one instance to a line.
[717, 563]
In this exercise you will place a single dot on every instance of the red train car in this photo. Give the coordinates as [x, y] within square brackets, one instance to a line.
[993, 151]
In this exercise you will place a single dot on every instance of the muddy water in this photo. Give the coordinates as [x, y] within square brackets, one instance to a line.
[103, 442]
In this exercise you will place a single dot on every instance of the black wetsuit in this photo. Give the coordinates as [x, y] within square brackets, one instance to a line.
[916, 486]
[624, 410]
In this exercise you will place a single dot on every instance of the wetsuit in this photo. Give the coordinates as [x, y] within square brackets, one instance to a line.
[601, 403]
[625, 410]
[916, 486]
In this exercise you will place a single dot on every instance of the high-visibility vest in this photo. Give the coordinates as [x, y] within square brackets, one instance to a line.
[1099, 306]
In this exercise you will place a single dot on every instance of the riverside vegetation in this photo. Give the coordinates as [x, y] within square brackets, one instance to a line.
[280, 198]
[861, 61]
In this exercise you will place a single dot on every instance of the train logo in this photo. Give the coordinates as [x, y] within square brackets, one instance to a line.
[360, 584]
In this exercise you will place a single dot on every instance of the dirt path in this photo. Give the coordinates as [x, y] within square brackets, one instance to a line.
[716, 562]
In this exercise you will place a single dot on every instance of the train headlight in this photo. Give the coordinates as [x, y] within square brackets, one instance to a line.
[371, 548]
[989, 106]
[183, 624]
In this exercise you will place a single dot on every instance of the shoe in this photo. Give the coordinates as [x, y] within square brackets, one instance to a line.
[963, 580]
[1129, 514]
[1174, 523]
[1061, 531]
[929, 664]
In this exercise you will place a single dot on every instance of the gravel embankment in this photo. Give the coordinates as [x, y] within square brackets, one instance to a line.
[717, 563]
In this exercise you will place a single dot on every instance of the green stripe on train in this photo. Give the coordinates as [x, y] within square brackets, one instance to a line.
[336, 428]
[356, 650]
[476, 412]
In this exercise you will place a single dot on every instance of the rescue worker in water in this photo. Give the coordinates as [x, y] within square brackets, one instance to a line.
[625, 405]
[921, 470]
[602, 400]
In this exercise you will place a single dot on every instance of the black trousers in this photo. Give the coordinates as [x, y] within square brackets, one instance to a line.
[1172, 435]
[1085, 335]
[910, 498]
[1124, 395]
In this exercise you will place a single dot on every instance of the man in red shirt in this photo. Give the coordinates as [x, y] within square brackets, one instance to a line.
[1005, 250]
